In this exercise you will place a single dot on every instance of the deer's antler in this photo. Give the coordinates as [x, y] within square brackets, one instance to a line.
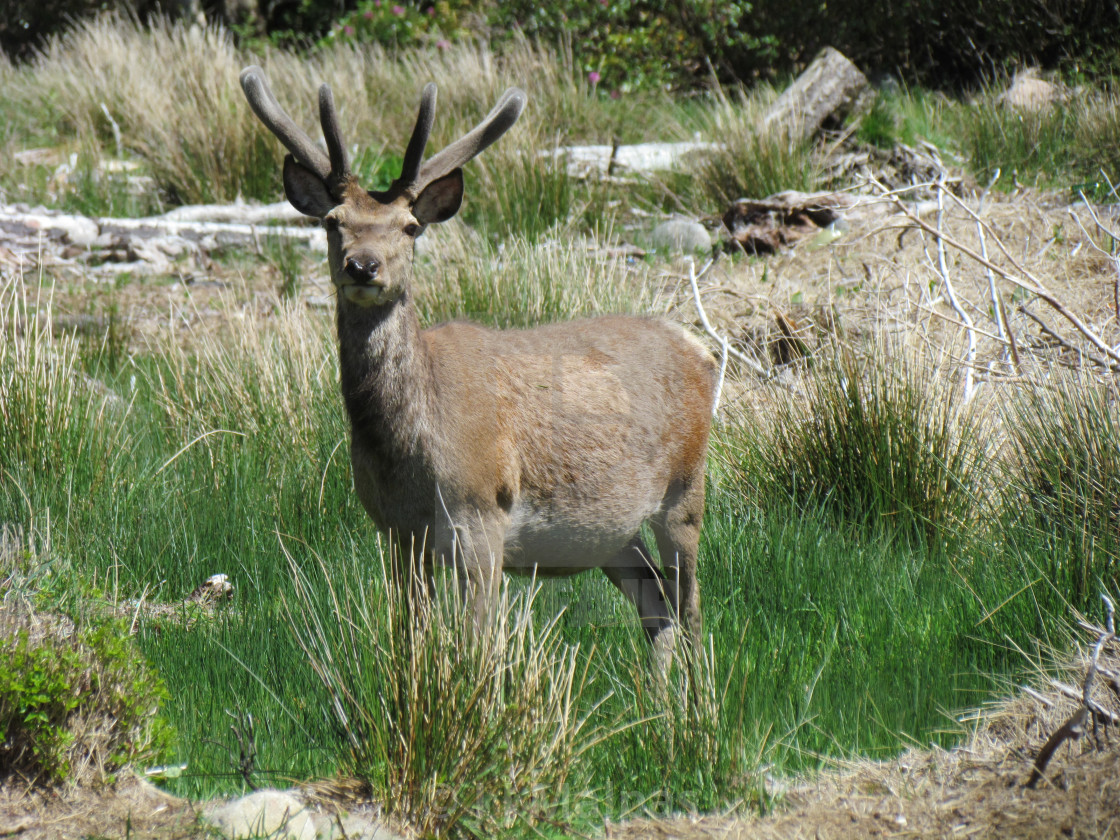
[415, 176]
[331, 170]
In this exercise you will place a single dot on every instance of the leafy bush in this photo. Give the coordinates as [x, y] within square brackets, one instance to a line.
[398, 24]
[638, 43]
[74, 703]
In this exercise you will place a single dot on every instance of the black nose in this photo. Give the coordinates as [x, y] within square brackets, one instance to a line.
[362, 269]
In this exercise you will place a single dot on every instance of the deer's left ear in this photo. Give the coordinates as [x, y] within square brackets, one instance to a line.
[440, 200]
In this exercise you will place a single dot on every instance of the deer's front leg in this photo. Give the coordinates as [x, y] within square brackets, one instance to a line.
[471, 541]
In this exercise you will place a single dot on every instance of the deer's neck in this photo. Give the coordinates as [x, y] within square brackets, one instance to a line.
[386, 382]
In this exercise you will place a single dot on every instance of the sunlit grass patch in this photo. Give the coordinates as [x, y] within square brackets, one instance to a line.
[1065, 472]
[881, 440]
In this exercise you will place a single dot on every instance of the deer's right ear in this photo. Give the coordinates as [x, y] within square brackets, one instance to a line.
[306, 190]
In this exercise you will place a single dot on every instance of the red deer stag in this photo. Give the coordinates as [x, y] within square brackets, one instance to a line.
[541, 450]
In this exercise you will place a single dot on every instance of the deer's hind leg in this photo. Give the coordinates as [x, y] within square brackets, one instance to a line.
[635, 574]
[677, 530]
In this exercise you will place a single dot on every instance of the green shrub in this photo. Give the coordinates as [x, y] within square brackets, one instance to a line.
[394, 23]
[75, 704]
[637, 43]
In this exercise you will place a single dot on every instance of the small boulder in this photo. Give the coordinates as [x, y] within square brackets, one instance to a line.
[265, 813]
[1030, 93]
[681, 236]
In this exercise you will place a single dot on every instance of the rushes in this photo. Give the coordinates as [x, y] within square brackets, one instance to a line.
[460, 734]
[880, 441]
[1066, 467]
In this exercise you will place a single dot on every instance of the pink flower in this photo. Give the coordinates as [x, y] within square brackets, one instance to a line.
[615, 94]
[594, 77]
[368, 14]
[398, 10]
[349, 30]
[377, 3]
[442, 44]
[431, 11]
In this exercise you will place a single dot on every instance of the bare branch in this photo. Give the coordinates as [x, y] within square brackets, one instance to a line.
[725, 348]
[1074, 727]
[1026, 281]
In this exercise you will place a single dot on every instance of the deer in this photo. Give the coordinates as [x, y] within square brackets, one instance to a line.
[537, 451]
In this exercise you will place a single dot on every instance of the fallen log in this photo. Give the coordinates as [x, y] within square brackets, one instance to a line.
[830, 89]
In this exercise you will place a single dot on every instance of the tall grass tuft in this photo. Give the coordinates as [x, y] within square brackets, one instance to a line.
[54, 418]
[1066, 466]
[1067, 142]
[751, 161]
[459, 733]
[682, 744]
[524, 284]
[880, 441]
[171, 91]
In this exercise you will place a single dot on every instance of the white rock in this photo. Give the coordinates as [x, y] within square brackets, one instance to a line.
[681, 236]
[265, 813]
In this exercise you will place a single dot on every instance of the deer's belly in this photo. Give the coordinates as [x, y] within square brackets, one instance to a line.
[557, 545]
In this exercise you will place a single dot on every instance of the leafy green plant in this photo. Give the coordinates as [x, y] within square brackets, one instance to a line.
[626, 45]
[76, 703]
[398, 24]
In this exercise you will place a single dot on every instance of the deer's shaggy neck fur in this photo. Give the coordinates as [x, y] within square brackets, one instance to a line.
[387, 386]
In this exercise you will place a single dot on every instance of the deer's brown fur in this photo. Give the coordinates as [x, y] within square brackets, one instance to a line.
[536, 451]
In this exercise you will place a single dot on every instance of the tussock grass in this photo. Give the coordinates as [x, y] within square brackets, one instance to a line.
[460, 734]
[881, 440]
[1066, 469]
[526, 283]
[1071, 141]
[753, 162]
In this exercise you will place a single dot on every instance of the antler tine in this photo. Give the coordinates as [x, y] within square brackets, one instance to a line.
[414, 154]
[495, 124]
[328, 116]
[268, 110]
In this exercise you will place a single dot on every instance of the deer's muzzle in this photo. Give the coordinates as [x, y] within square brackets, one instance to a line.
[362, 268]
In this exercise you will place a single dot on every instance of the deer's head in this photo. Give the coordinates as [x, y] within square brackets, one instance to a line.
[370, 234]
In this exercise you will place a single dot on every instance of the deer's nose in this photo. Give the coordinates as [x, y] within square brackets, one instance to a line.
[362, 269]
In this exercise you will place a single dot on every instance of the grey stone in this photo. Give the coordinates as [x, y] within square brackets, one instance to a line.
[265, 813]
[681, 236]
[354, 827]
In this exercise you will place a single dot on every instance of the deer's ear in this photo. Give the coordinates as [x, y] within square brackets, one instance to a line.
[440, 200]
[306, 190]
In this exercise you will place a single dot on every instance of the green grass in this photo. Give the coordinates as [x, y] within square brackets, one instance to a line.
[882, 441]
[826, 638]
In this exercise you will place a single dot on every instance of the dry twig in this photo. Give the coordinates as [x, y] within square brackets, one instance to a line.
[726, 350]
[1088, 708]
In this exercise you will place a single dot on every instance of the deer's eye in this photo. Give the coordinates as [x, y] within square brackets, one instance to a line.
[412, 230]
